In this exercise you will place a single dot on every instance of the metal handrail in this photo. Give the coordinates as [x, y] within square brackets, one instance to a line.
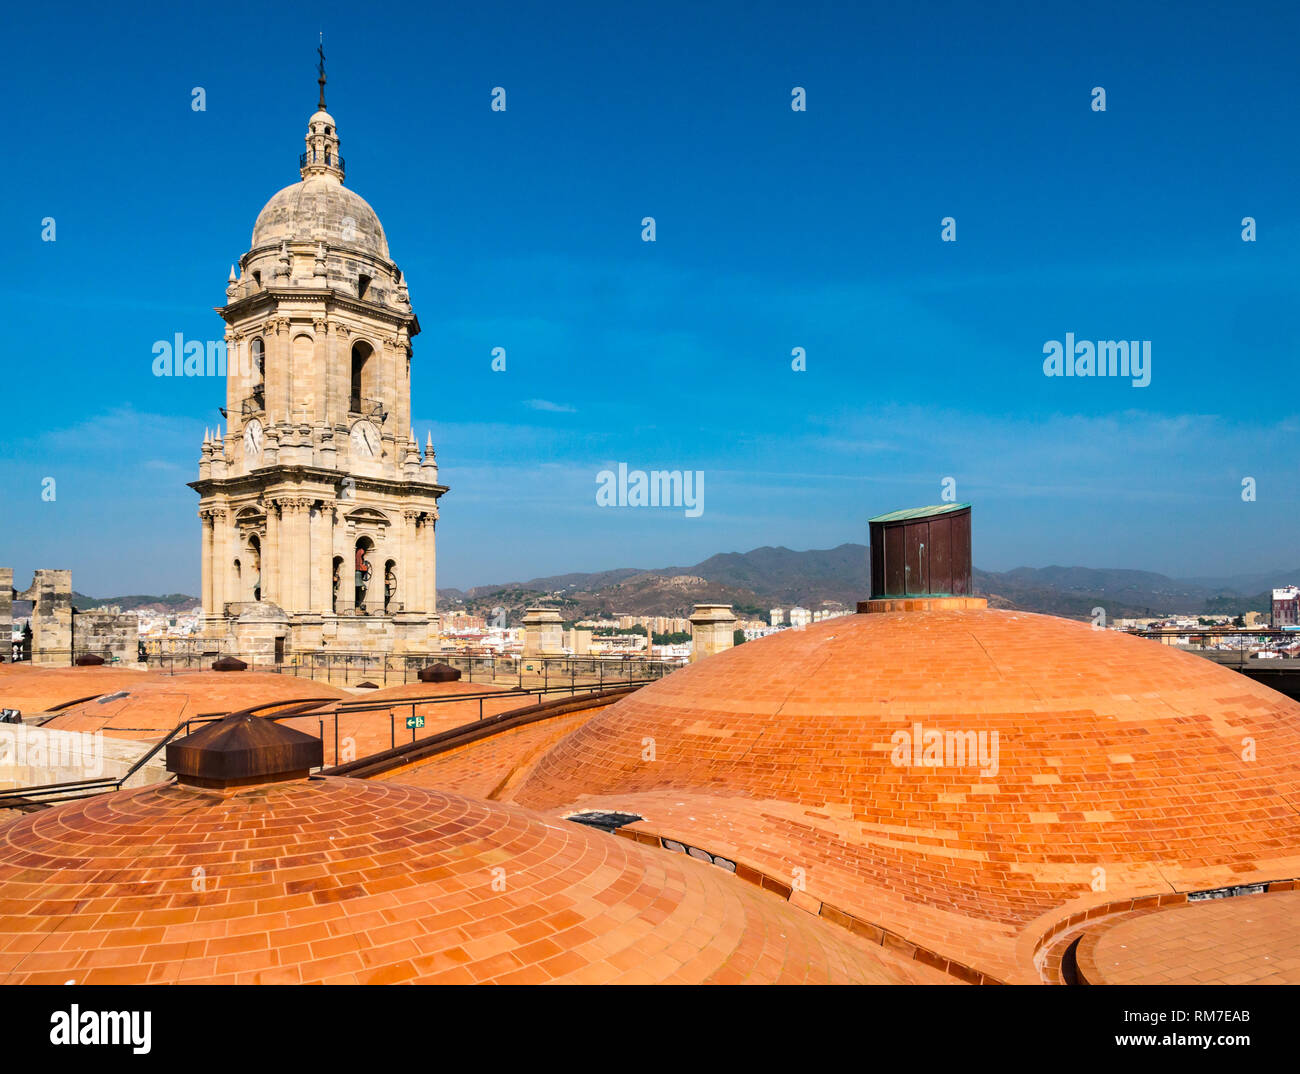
[107, 783]
[104, 784]
[296, 709]
[337, 162]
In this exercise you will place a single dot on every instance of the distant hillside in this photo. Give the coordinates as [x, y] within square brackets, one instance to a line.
[756, 581]
[753, 582]
[1075, 591]
[170, 602]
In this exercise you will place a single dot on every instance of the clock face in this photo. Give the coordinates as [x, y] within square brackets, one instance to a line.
[253, 439]
[365, 440]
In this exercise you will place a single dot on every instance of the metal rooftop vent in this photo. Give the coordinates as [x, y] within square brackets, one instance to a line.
[922, 552]
[243, 749]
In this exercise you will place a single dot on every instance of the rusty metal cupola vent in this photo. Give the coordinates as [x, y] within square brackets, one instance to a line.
[922, 552]
[243, 749]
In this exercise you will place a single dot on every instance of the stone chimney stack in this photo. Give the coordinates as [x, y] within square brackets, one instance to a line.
[543, 632]
[713, 630]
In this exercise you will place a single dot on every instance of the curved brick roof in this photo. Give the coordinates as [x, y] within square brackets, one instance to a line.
[1114, 754]
[32, 689]
[1251, 939]
[156, 702]
[341, 880]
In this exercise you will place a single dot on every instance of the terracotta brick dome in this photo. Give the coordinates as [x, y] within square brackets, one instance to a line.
[340, 880]
[149, 704]
[1248, 940]
[1122, 767]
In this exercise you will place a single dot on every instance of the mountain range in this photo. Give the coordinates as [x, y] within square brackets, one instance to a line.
[755, 582]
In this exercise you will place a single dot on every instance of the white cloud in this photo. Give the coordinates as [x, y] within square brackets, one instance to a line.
[549, 407]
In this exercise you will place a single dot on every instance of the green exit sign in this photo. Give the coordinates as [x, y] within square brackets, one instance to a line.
[412, 722]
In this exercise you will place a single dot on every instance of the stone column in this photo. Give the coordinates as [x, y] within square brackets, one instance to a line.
[431, 568]
[320, 371]
[341, 373]
[237, 381]
[302, 563]
[284, 347]
[219, 566]
[289, 553]
[408, 573]
[205, 567]
[320, 584]
[307, 568]
[384, 382]
[713, 628]
[402, 387]
[330, 334]
[271, 554]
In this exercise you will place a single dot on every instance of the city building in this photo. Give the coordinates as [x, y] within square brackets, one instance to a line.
[1286, 608]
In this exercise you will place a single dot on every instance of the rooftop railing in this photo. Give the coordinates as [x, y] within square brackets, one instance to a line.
[310, 158]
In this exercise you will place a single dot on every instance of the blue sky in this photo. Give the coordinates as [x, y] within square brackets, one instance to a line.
[775, 230]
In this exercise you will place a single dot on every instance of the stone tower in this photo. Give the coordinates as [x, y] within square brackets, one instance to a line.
[318, 511]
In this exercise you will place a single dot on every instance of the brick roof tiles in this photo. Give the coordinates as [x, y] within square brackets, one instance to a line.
[1159, 768]
[341, 880]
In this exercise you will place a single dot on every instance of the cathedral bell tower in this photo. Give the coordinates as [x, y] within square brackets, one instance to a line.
[318, 510]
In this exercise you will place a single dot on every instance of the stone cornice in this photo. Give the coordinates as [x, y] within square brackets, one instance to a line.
[274, 298]
[266, 478]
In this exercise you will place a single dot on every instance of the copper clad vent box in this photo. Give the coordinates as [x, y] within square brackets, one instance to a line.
[922, 552]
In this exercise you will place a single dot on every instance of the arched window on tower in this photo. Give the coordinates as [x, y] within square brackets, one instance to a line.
[362, 375]
[362, 572]
[338, 582]
[255, 565]
[257, 351]
[390, 583]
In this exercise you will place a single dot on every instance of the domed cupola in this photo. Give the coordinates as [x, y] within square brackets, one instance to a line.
[319, 208]
[322, 154]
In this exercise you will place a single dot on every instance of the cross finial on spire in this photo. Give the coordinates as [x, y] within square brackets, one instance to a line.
[320, 71]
